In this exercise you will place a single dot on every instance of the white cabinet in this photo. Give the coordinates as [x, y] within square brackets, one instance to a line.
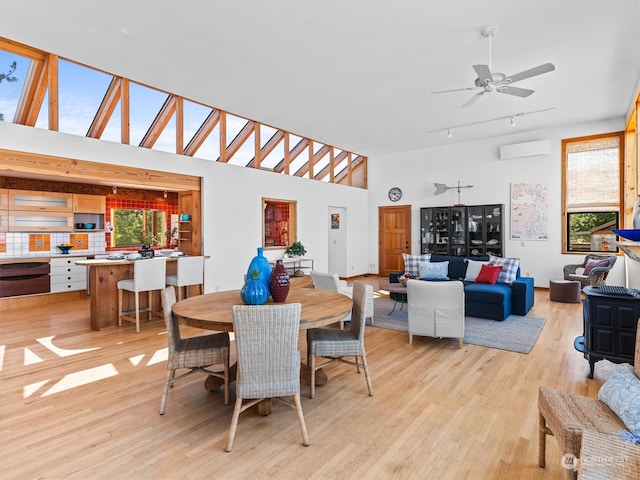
[66, 276]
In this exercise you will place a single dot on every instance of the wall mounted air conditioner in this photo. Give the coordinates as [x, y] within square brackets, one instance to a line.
[526, 149]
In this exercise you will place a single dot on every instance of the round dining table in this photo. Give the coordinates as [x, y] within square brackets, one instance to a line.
[212, 311]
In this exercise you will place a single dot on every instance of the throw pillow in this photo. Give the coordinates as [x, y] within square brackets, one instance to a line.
[509, 268]
[621, 393]
[488, 274]
[473, 269]
[434, 271]
[592, 263]
[412, 262]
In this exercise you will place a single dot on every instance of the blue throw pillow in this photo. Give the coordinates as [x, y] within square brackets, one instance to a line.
[434, 270]
[621, 393]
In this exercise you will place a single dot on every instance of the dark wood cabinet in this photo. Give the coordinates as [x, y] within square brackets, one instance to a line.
[610, 323]
[473, 231]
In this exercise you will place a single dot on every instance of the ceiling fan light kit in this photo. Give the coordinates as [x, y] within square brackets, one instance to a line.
[489, 81]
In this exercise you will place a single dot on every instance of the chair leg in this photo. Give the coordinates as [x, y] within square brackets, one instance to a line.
[366, 372]
[303, 426]
[542, 441]
[163, 402]
[137, 295]
[410, 339]
[312, 381]
[460, 343]
[234, 423]
[120, 294]
[226, 382]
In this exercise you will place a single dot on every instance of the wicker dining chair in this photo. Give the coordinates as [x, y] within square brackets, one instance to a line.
[334, 345]
[566, 416]
[193, 353]
[266, 338]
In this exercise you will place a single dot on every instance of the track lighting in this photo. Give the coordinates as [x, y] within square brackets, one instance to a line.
[164, 194]
[512, 121]
[114, 189]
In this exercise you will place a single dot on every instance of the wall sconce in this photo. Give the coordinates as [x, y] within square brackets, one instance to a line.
[114, 189]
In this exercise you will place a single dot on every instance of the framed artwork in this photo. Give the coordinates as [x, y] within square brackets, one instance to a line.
[335, 221]
[529, 211]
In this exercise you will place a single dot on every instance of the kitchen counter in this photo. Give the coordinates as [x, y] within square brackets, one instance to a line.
[103, 284]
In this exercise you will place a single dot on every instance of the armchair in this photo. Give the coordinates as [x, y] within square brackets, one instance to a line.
[331, 282]
[595, 269]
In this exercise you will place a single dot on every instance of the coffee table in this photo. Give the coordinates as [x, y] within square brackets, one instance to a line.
[400, 291]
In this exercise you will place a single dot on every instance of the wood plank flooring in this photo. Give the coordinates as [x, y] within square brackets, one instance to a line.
[78, 404]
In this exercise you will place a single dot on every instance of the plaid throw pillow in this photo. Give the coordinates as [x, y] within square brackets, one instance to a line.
[509, 268]
[412, 263]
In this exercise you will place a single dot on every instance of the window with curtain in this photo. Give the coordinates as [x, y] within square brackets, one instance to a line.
[592, 178]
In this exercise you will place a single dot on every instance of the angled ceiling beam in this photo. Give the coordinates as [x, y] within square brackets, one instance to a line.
[25, 105]
[106, 108]
[329, 169]
[293, 154]
[314, 158]
[268, 147]
[203, 132]
[52, 80]
[242, 137]
[159, 123]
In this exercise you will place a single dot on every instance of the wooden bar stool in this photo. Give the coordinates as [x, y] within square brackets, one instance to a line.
[148, 275]
[189, 271]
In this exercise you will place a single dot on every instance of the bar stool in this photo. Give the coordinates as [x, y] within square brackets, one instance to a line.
[189, 271]
[148, 275]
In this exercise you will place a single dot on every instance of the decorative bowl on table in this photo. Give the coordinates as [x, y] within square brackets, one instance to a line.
[65, 247]
[631, 234]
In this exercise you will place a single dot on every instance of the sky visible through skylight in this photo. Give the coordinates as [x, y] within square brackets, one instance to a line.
[81, 90]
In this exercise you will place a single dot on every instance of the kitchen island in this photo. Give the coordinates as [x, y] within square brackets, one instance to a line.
[104, 275]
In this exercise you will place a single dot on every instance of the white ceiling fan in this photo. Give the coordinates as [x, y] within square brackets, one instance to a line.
[489, 81]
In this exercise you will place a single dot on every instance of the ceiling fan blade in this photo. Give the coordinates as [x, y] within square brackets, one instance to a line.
[517, 91]
[472, 100]
[484, 74]
[456, 90]
[532, 72]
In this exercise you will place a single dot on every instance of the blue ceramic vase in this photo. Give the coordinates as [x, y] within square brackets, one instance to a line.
[260, 263]
[254, 291]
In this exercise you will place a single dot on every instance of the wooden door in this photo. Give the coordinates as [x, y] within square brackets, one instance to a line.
[394, 238]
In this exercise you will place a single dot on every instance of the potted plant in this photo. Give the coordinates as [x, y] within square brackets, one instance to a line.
[295, 250]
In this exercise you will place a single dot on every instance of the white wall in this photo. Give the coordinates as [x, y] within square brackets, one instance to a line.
[477, 163]
[232, 201]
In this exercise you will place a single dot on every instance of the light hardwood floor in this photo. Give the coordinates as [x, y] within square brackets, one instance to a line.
[90, 410]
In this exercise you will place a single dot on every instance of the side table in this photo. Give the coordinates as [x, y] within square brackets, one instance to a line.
[401, 292]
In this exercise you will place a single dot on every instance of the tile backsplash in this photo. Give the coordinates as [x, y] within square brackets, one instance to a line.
[18, 244]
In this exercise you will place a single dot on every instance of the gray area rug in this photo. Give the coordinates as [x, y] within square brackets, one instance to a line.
[516, 333]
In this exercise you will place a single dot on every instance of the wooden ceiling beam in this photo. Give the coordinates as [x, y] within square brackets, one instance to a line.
[242, 137]
[268, 147]
[292, 154]
[41, 83]
[106, 108]
[203, 132]
[313, 159]
[52, 80]
[159, 123]
[31, 81]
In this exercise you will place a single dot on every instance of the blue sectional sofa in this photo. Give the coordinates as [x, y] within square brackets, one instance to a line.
[482, 300]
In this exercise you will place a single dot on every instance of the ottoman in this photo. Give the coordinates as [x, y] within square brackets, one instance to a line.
[566, 291]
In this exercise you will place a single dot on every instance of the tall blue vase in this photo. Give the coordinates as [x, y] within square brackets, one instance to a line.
[260, 263]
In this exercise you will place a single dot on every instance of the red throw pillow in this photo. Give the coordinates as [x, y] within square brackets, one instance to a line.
[591, 264]
[489, 274]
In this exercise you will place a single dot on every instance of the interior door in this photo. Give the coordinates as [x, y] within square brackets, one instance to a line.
[394, 238]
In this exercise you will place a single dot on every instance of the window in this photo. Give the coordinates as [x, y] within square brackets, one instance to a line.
[136, 227]
[278, 223]
[592, 194]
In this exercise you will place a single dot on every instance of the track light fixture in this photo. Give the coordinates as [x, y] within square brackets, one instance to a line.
[114, 189]
[511, 118]
[164, 194]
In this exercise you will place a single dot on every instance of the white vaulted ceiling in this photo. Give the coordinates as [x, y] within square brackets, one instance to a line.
[355, 74]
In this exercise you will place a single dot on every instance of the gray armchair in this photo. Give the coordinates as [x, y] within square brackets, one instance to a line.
[595, 269]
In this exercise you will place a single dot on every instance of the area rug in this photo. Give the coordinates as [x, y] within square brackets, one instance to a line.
[516, 333]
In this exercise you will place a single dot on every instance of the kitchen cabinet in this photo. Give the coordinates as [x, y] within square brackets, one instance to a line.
[40, 221]
[32, 201]
[4, 210]
[460, 230]
[89, 203]
[66, 276]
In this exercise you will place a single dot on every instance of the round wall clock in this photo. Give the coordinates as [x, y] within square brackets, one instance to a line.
[395, 194]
